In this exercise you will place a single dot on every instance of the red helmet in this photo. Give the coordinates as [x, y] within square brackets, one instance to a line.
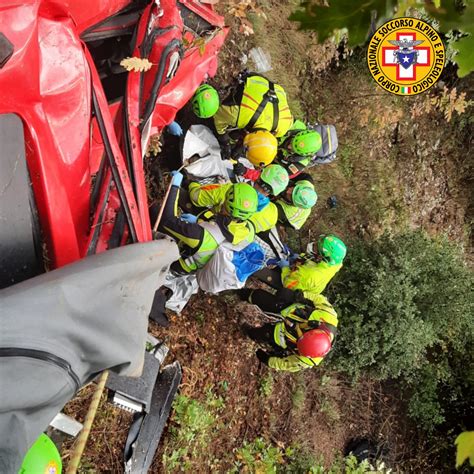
[314, 343]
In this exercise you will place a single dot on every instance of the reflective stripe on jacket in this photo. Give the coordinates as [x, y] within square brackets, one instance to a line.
[296, 216]
[206, 250]
[286, 334]
[265, 219]
[211, 196]
[309, 277]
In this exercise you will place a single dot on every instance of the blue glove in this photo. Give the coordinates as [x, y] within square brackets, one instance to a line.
[190, 218]
[294, 257]
[174, 128]
[177, 178]
[262, 201]
[283, 263]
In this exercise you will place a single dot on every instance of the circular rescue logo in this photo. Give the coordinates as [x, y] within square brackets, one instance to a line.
[406, 56]
[52, 468]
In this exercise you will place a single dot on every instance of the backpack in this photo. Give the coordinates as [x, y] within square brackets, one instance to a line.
[327, 152]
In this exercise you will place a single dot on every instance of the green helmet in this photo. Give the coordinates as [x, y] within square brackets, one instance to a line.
[332, 249]
[306, 142]
[304, 195]
[205, 101]
[276, 178]
[241, 201]
[42, 457]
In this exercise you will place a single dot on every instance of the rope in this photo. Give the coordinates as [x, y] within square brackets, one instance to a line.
[84, 435]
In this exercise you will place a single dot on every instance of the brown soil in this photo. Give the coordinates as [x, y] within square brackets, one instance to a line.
[207, 340]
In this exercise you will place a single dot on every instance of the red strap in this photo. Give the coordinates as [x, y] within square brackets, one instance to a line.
[252, 174]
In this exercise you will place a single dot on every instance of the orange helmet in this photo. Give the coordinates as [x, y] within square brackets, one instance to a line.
[261, 147]
[314, 343]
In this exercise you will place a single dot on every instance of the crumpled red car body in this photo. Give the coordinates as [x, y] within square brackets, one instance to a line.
[84, 141]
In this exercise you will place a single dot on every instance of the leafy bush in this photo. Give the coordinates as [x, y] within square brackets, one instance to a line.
[358, 19]
[405, 305]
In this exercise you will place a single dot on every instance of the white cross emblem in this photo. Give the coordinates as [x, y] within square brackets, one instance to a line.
[408, 74]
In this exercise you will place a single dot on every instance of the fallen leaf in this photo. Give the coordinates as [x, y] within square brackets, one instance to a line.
[136, 64]
[246, 28]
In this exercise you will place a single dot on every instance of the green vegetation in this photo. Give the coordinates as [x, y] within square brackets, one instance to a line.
[200, 318]
[192, 430]
[329, 409]
[259, 456]
[450, 16]
[405, 306]
[262, 457]
[344, 162]
[266, 385]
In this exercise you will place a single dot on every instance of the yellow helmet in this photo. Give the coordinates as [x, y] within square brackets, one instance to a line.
[261, 147]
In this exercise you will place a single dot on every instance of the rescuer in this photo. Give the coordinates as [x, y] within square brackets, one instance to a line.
[254, 103]
[199, 237]
[205, 101]
[304, 146]
[272, 180]
[311, 272]
[42, 457]
[302, 338]
[295, 204]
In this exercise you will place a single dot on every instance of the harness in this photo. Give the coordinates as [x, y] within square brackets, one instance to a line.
[269, 96]
[263, 104]
[290, 331]
[302, 325]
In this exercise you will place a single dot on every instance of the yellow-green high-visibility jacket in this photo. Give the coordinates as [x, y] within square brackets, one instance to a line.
[199, 241]
[266, 218]
[249, 114]
[238, 233]
[211, 240]
[309, 277]
[212, 196]
[295, 216]
[286, 334]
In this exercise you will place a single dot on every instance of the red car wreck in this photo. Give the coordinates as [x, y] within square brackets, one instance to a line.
[74, 130]
[84, 121]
